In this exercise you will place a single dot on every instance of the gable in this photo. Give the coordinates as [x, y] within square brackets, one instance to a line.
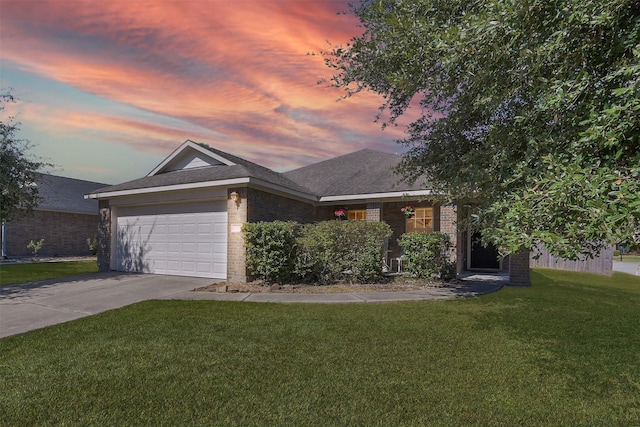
[190, 155]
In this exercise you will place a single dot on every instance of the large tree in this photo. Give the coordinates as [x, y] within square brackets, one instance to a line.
[530, 110]
[18, 169]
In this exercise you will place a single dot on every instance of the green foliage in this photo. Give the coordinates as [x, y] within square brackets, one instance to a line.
[271, 249]
[341, 250]
[428, 255]
[531, 110]
[92, 242]
[616, 253]
[18, 172]
[321, 253]
[35, 246]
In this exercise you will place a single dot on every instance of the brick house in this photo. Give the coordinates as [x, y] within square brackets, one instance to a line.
[64, 219]
[185, 216]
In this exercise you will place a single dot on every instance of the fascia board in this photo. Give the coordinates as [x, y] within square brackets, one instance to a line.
[389, 195]
[191, 186]
[189, 144]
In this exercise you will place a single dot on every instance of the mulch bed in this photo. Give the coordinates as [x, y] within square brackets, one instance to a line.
[395, 284]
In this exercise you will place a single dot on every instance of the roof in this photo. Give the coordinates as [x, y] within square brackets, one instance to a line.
[63, 194]
[240, 168]
[350, 177]
[362, 172]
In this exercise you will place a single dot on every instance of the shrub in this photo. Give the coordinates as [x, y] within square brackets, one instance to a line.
[35, 246]
[616, 253]
[271, 249]
[93, 245]
[329, 251]
[427, 255]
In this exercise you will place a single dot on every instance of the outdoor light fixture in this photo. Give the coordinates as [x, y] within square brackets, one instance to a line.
[235, 196]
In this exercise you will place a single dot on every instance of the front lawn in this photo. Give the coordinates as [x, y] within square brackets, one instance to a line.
[562, 352]
[23, 273]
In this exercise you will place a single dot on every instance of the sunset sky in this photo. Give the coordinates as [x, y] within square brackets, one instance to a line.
[108, 88]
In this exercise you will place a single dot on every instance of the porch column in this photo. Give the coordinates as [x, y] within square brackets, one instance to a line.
[104, 236]
[236, 217]
[449, 225]
[519, 270]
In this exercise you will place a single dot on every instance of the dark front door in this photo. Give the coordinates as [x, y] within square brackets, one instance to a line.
[483, 257]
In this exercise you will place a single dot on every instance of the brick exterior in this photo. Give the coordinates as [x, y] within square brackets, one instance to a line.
[64, 233]
[449, 224]
[236, 254]
[374, 212]
[104, 236]
[519, 271]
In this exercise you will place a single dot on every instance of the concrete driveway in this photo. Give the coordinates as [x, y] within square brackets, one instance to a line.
[35, 305]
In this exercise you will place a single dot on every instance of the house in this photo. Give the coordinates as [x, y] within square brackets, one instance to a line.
[185, 217]
[64, 219]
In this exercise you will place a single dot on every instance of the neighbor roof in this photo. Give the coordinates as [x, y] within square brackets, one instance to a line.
[363, 172]
[66, 194]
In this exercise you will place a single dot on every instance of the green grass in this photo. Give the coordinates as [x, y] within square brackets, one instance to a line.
[562, 352]
[628, 258]
[23, 273]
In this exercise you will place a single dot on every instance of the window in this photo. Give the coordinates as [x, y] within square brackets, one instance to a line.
[421, 222]
[358, 215]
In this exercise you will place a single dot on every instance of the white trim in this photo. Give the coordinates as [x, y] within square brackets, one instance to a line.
[194, 185]
[401, 194]
[189, 144]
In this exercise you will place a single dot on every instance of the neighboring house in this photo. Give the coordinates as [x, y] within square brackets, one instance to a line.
[185, 217]
[64, 219]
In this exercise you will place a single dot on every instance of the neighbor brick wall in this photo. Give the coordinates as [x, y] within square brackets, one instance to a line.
[64, 233]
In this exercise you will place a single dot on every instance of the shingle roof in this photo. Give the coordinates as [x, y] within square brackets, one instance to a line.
[242, 169]
[66, 194]
[363, 172]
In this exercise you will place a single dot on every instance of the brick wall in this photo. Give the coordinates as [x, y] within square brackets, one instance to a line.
[64, 233]
[269, 207]
[519, 271]
[236, 254]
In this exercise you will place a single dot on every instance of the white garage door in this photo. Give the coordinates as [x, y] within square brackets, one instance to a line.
[186, 239]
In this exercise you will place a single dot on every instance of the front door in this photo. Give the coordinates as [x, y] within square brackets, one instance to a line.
[483, 258]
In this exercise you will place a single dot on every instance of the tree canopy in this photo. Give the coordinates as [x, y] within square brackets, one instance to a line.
[530, 110]
[18, 170]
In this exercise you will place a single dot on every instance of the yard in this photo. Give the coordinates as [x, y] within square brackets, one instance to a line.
[562, 352]
[31, 272]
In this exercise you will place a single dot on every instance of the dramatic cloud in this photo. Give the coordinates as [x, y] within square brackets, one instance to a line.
[236, 75]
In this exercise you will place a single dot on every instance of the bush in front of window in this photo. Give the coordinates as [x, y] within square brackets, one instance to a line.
[427, 255]
[331, 251]
[271, 250]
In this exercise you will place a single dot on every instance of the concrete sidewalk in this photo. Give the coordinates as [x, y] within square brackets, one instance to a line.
[36, 305]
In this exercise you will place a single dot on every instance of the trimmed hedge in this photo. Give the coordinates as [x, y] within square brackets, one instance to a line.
[323, 253]
[427, 255]
[341, 250]
[271, 249]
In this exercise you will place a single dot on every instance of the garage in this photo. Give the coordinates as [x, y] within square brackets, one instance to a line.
[182, 239]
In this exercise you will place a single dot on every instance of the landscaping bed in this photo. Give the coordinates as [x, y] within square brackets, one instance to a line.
[390, 284]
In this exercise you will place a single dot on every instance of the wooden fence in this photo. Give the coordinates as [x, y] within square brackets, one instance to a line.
[602, 264]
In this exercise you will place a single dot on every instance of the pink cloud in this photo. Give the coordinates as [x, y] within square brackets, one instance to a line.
[240, 73]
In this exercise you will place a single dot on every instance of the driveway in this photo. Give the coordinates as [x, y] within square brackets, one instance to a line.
[35, 305]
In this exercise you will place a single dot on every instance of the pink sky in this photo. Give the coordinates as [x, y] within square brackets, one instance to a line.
[107, 89]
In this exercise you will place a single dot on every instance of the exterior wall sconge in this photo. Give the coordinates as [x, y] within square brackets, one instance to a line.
[235, 197]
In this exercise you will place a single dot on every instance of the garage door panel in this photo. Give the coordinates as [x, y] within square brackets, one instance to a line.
[185, 239]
